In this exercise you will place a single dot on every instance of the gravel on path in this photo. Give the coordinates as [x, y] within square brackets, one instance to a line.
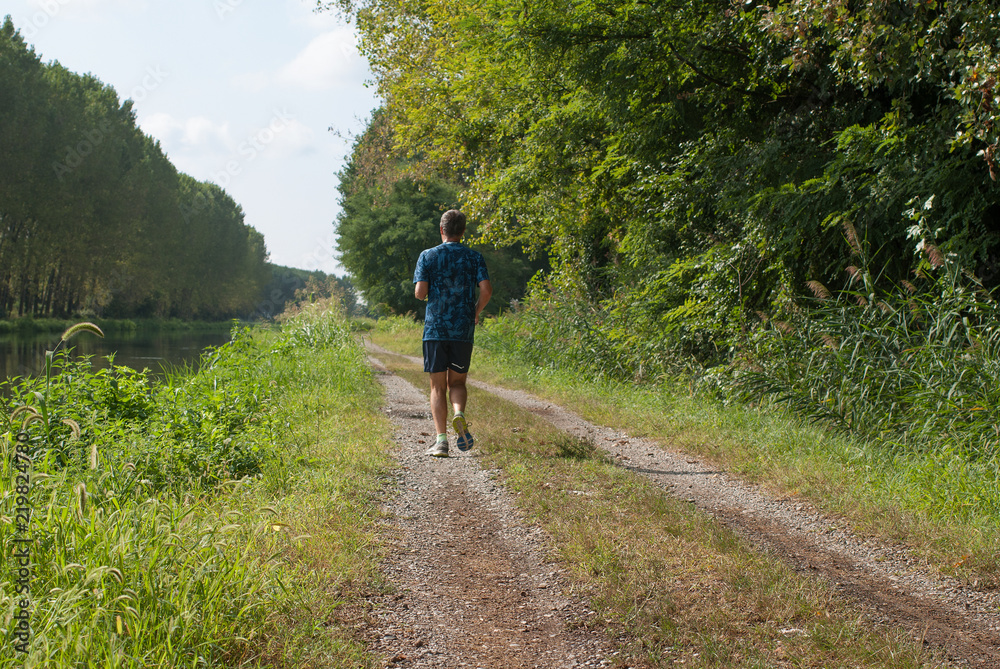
[471, 586]
[887, 581]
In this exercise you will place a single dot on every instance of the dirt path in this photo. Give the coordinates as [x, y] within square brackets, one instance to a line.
[472, 586]
[886, 581]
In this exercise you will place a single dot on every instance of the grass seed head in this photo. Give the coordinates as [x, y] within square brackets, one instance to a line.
[81, 492]
[819, 290]
[73, 426]
[934, 255]
[851, 233]
[81, 327]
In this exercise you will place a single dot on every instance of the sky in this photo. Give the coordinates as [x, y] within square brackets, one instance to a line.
[242, 93]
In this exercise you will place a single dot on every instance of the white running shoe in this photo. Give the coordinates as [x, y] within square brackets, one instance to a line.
[438, 450]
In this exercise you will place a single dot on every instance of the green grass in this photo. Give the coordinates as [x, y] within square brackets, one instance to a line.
[259, 553]
[397, 333]
[944, 507]
[674, 587]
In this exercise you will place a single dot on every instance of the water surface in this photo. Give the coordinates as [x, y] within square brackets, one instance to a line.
[154, 351]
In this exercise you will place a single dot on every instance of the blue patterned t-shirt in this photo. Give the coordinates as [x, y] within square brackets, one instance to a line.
[452, 272]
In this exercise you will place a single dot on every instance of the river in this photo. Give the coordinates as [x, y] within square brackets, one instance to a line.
[25, 355]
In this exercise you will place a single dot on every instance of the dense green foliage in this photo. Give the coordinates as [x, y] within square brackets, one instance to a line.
[390, 213]
[162, 515]
[93, 216]
[700, 171]
[692, 163]
[290, 287]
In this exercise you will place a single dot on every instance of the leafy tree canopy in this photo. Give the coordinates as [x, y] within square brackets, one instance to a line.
[391, 208]
[692, 165]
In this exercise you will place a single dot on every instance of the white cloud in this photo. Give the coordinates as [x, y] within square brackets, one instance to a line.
[281, 138]
[328, 60]
[160, 125]
[324, 61]
[200, 132]
[197, 133]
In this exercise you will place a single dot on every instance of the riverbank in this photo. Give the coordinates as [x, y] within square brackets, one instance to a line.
[220, 518]
[30, 326]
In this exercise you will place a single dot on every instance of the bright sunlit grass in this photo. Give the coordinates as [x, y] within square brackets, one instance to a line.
[947, 508]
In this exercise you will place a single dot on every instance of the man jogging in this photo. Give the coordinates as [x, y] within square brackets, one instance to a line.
[447, 276]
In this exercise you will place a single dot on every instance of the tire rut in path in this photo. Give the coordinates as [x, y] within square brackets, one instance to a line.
[889, 583]
[471, 585]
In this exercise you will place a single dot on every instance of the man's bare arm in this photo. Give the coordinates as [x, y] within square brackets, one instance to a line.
[485, 293]
[420, 290]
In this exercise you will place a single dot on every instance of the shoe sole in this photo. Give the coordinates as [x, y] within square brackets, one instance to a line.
[465, 440]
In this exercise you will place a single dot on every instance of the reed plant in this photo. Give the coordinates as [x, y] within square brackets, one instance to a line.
[912, 373]
[915, 366]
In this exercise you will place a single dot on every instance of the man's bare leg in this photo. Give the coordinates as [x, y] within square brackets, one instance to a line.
[444, 386]
[439, 401]
[457, 391]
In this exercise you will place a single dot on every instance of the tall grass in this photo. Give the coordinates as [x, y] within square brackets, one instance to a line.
[175, 528]
[913, 372]
[915, 367]
[563, 332]
[901, 385]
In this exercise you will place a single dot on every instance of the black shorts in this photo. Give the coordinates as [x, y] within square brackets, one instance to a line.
[440, 356]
